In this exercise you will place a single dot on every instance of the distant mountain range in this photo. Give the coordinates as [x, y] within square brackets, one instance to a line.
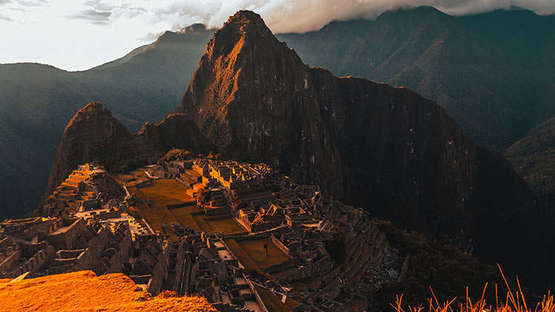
[491, 72]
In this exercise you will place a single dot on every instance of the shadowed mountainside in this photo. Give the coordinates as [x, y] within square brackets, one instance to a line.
[491, 71]
[533, 157]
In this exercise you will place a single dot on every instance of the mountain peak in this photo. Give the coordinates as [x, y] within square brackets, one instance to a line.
[243, 51]
[91, 107]
[244, 24]
[245, 17]
[88, 111]
[418, 11]
[193, 29]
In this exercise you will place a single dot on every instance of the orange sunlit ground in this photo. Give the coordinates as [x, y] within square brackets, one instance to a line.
[84, 291]
[161, 193]
[224, 225]
[252, 254]
[185, 218]
[193, 218]
[255, 249]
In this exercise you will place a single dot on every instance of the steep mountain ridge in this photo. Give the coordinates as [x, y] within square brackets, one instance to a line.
[93, 133]
[534, 155]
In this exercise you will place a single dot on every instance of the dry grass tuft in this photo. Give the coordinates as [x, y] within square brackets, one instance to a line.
[514, 301]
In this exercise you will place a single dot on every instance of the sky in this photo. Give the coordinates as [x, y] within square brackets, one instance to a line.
[80, 34]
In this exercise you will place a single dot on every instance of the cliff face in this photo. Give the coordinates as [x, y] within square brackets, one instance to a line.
[175, 130]
[386, 149]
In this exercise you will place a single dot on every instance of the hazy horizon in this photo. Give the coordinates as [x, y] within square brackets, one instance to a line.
[79, 35]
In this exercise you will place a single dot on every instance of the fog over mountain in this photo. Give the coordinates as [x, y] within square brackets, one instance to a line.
[85, 33]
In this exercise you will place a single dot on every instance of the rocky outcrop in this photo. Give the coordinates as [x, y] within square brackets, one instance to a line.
[92, 134]
[175, 130]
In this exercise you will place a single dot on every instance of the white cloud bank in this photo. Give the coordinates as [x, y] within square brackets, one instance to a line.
[79, 34]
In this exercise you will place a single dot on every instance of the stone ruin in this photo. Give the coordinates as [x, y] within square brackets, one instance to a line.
[333, 254]
[89, 187]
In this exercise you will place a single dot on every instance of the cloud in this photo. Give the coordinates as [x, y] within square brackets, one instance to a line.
[31, 3]
[93, 16]
[60, 25]
[298, 15]
[99, 5]
[151, 36]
